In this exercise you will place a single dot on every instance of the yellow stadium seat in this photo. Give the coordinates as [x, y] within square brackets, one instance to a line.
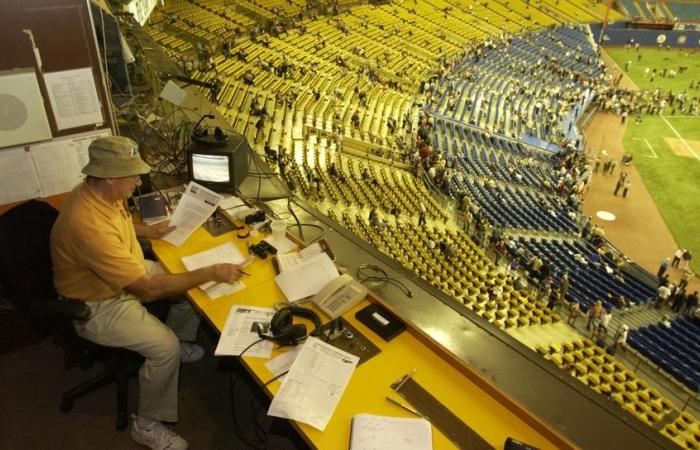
[686, 418]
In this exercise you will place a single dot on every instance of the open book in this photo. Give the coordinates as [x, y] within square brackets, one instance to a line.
[371, 432]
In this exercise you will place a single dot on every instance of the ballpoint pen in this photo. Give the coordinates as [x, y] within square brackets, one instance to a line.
[406, 407]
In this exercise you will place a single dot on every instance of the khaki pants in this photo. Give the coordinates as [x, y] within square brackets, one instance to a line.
[124, 322]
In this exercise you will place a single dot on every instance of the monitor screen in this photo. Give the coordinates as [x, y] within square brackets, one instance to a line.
[213, 168]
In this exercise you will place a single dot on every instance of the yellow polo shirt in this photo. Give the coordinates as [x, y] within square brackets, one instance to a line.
[94, 249]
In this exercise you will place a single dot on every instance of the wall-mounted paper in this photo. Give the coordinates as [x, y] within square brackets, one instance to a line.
[22, 114]
[19, 180]
[73, 97]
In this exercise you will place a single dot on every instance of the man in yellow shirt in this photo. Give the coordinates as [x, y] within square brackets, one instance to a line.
[97, 259]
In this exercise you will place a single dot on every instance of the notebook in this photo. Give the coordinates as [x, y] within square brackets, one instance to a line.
[370, 432]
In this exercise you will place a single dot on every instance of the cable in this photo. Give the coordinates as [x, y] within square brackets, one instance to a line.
[289, 207]
[275, 378]
[239, 430]
[380, 276]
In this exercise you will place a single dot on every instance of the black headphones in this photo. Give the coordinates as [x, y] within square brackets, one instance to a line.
[284, 332]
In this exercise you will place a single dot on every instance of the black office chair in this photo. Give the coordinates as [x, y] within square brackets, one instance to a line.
[27, 275]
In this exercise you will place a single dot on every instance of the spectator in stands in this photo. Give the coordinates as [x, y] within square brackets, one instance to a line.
[680, 299]
[595, 315]
[693, 301]
[665, 321]
[574, 312]
[602, 329]
[662, 295]
[259, 126]
[621, 338]
[564, 286]
[374, 218]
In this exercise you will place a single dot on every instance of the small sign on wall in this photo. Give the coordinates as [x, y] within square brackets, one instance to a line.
[22, 114]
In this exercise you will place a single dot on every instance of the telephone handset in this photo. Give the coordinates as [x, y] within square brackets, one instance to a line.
[339, 295]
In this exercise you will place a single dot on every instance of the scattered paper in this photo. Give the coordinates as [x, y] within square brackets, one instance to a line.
[195, 207]
[307, 278]
[225, 253]
[73, 98]
[241, 330]
[312, 389]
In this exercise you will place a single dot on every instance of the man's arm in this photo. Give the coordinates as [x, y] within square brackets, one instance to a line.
[156, 231]
[150, 288]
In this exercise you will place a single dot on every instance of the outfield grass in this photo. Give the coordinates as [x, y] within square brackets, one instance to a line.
[659, 59]
[672, 180]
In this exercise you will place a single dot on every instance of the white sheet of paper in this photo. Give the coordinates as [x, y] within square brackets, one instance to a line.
[57, 165]
[370, 432]
[196, 205]
[73, 98]
[285, 261]
[19, 180]
[307, 278]
[240, 331]
[312, 389]
[224, 253]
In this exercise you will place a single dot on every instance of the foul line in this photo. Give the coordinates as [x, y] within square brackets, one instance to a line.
[651, 149]
[680, 137]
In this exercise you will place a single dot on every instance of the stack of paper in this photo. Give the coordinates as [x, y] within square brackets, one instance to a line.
[307, 277]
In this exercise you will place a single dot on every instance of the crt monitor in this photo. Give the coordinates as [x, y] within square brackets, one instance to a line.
[221, 169]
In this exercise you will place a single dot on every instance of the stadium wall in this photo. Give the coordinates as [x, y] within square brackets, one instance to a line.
[619, 34]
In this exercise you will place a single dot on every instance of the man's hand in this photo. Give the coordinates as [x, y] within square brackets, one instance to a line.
[225, 273]
[156, 231]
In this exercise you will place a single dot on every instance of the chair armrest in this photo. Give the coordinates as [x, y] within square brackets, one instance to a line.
[60, 309]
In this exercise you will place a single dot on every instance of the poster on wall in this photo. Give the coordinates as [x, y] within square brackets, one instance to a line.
[73, 98]
[22, 114]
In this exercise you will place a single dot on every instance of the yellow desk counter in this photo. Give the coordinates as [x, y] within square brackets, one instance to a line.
[448, 380]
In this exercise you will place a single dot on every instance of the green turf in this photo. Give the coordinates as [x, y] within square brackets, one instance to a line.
[672, 180]
[659, 59]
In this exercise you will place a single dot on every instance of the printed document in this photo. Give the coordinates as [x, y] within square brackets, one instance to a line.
[307, 278]
[241, 330]
[195, 207]
[312, 389]
[224, 253]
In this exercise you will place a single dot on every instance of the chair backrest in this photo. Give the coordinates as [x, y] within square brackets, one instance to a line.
[25, 258]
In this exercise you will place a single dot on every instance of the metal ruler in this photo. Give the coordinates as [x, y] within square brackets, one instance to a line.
[442, 418]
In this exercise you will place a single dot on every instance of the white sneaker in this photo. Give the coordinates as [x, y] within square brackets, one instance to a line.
[190, 352]
[155, 435]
